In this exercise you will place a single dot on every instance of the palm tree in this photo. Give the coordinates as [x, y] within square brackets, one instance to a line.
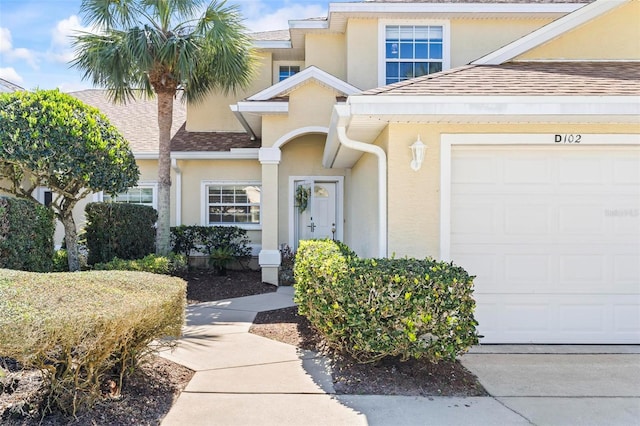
[160, 47]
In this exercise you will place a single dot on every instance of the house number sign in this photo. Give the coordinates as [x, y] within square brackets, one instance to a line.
[568, 138]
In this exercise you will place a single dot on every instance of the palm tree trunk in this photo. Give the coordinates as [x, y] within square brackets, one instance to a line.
[165, 118]
[71, 238]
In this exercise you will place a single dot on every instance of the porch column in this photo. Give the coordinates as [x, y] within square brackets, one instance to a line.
[269, 257]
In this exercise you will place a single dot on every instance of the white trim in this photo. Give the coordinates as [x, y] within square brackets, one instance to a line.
[176, 169]
[339, 180]
[204, 203]
[308, 24]
[310, 73]
[272, 44]
[447, 141]
[141, 185]
[446, 42]
[264, 107]
[270, 155]
[232, 154]
[495, 105]
[549, 32]
[269, 258]
[399, 7]
[300, 132]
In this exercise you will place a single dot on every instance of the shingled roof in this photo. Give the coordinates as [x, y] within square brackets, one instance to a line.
[524, 79]
[138, 122]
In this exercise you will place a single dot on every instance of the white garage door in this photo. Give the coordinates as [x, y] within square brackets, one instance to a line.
[553, 236]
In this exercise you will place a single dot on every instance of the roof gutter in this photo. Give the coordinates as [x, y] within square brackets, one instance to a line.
[243, 121]
[347, 142]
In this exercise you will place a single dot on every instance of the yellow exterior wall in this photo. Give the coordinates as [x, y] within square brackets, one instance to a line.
[362, 53]
[194, 172]
[327, 52]
[309, 105]
[300, 157]
[361, 207]
[474, 38]
[614, 36]
[414, 197]
[213, 113]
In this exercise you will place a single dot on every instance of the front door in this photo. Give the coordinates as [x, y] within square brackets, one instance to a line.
[316, 209]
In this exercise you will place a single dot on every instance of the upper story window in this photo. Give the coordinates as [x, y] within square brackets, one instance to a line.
[287, 71]
[232, 204]
[413, 50]
[143, 194]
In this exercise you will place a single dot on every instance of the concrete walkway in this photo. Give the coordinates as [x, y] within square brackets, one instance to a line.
[244, 379]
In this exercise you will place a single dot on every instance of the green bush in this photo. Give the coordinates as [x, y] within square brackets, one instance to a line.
[376, 308]
[84, 329]
[211, 241]
[26, 235]
[173, 264]
[119, 230]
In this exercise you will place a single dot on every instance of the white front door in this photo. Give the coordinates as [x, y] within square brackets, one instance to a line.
[316, 209]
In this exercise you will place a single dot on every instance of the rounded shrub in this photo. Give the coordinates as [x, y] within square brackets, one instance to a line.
[82, 329]
[376, 308]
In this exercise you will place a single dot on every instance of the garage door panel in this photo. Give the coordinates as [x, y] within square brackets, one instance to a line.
[553, 236]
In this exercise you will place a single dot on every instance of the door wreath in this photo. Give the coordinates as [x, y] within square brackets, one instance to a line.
[302, 198]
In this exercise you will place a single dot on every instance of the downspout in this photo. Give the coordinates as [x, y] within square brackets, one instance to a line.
[174, 165]
[382, 183]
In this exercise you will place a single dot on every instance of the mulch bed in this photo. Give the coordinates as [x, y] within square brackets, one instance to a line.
[387, 377]
[149, 394]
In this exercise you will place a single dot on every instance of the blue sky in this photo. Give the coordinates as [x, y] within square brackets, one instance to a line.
[34, 36]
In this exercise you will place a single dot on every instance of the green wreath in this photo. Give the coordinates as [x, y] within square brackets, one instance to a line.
[302, 198]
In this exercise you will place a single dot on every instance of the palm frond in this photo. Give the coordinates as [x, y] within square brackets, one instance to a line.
[109, 14]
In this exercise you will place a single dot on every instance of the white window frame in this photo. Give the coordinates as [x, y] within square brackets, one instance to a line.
[382, 26]
[141, 185]
[204, 199]
[278, 64]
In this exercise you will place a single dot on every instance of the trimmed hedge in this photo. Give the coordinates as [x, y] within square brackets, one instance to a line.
[85, 329]
[126, 231]
[173, 264]
[377, 308]
[209, 240]
[26, 235]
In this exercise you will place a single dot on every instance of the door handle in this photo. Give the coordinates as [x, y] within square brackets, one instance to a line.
[312, 226]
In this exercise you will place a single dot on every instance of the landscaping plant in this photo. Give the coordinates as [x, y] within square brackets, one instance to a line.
[377, 308]
[86, 331]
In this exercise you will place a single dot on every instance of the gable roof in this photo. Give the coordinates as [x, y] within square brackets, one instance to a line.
[524, 79]
[549, 32]
[312, 73]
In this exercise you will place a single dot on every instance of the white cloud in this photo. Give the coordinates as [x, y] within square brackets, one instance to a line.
[61, 37]
[19, 54]
[279, 20]
[11, 75]
[5, 40]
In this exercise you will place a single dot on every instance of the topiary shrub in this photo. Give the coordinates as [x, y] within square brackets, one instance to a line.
[377, 308]
[26, 235]
[173, 264]
[119, 230]
[85, 330]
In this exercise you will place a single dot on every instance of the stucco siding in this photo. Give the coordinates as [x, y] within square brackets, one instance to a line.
[310, 105]
[487, 35]
[214, 114]
[362, 51]
[361, 206]
[414, 197]
[327, 52]
[612, 36]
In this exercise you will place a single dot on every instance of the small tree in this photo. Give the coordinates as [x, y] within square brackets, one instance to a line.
[51, 139]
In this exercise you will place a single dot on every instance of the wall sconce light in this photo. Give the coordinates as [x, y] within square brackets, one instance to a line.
[417, 152]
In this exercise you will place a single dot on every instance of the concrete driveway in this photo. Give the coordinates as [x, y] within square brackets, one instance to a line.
[562, 385]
